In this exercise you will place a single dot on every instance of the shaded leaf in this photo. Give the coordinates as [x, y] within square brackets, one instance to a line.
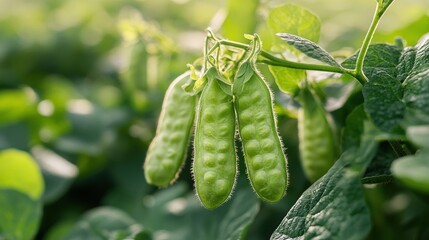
[105, 223]
[354, 128]
[334, 207]
[378, 170]
[309, 48]
[412, 171]
[419, 135]
[293, 19]
[384, 4]
[19, 215]
[416, 84]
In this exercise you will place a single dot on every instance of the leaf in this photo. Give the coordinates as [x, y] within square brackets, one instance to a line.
[412, 171]
[19, 171]
[406, 63]
[309, 48]
[384, 4]
[180, 216]
[19, 215]
[287, 79]
[416, 85]
[239, 216]
[105, 223]
[380, 57]
[58, 173]
[383, 93]
[378, 170]
[293, 19]
[354, 128]
[15, 105]
[383, 101]
[419, 135]
[334, 207]
[234, 27]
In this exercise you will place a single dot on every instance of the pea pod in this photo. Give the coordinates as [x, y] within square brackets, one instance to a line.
[167, 151]
[263, 153]
[214, 165]
[316, 139]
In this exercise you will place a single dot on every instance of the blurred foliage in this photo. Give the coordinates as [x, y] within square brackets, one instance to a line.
[81, 85]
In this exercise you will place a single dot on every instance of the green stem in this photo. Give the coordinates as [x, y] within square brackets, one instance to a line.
[276, 61]
[360, 75]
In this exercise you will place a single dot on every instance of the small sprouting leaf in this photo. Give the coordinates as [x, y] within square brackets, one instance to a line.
[105, 223]
[412, 171]
[383, 101]
[334, 207]
[19, 215]
[384, 4]
[293, 19]
[309, 48]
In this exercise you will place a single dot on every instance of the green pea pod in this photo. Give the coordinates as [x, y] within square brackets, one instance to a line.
[167, 151]
[214, 165]
[316, 139]
[263, 152]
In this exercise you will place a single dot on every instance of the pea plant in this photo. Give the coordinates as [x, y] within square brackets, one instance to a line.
[226, 105]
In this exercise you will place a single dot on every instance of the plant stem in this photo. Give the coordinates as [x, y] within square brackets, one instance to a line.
[276, 61]
[360, 75]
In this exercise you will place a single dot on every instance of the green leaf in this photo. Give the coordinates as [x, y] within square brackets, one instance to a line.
[309, 48]
[383, 101]
[234, 27]
[15, 105]
[406, 63]
[416, 85]
[412, 171]
[419, 135]
[354, 128]
[58, 173]
[180, 216]
[19, 215]
[294, 19]
[378, 170]
[105, 223]
[19, 171]
[380, 57]
[287, 79]
[334, 207]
